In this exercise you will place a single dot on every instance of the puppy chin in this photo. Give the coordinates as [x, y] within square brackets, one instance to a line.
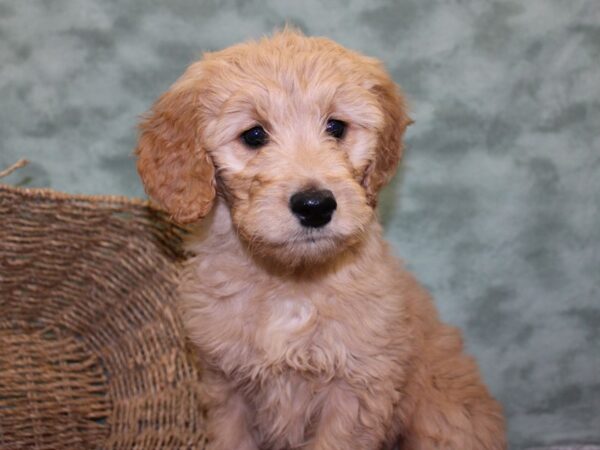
[302, 251]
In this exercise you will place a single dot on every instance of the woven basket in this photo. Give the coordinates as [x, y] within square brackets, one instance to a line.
[92, 353]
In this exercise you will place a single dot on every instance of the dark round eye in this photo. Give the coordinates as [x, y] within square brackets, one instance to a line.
[336, 128]
[255, 137]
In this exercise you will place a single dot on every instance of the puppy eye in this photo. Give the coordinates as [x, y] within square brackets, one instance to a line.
[336, 128]
[255, 137]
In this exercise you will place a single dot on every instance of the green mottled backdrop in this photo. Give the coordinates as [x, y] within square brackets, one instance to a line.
[496, 209]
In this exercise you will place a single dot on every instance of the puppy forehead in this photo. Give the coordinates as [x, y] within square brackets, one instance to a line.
[271, 102]
[292, 64]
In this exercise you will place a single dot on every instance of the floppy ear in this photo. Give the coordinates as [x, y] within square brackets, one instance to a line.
[389, 146]
[176, 170]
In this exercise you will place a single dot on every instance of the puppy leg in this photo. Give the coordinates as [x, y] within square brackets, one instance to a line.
[352, 421]
[227, 427]
[452, 409]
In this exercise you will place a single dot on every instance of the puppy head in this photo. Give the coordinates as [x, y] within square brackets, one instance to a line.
[297, 134]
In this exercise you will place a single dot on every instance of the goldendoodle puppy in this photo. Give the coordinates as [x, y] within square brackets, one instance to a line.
[311, 333]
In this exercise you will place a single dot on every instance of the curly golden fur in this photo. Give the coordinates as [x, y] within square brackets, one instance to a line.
[312, 338]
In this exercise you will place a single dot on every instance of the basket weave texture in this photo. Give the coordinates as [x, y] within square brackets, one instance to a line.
[92, 353]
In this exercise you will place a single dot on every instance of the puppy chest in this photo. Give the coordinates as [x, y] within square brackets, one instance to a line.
[296, 335]
[289, 317]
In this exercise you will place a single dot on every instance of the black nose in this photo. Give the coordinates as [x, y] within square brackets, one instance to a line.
[313, 207]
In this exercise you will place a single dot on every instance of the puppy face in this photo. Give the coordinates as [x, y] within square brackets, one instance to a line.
[298, 134]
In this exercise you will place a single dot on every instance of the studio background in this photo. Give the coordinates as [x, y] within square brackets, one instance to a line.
[496, 208]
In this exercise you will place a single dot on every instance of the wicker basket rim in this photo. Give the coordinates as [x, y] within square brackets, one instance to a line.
[53, 194]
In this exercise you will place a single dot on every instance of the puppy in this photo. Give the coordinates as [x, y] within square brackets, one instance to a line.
[312, 335]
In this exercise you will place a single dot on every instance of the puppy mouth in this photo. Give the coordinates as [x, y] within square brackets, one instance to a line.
[310, 240]
[299, 239]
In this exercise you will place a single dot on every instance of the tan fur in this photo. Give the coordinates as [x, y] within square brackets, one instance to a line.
[314, 339]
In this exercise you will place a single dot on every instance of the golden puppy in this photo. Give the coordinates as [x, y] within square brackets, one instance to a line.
[312, 334]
